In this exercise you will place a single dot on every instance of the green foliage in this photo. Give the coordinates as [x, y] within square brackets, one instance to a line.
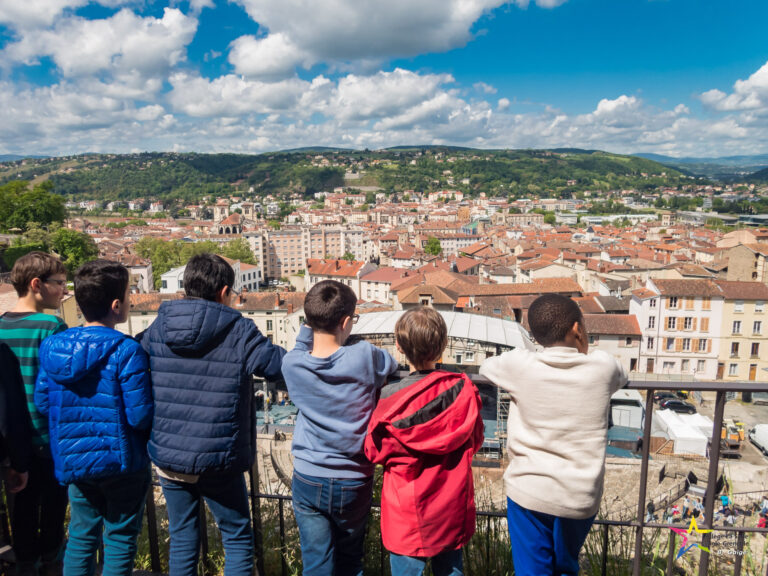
[239, 250]
[132, 222]
[74, 248]
[549, 218]
[348, 256]
[433, 246]
[370, 197]
[19, 205]
[13, 253]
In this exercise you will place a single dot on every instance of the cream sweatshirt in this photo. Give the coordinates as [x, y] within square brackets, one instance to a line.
[557, 427]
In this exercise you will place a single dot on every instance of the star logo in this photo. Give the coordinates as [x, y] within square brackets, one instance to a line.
[684, 547]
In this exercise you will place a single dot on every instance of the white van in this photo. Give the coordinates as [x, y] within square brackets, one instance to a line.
[759, 437]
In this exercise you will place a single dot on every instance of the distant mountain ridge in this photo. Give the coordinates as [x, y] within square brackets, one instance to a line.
[15, 157]
[727, 168]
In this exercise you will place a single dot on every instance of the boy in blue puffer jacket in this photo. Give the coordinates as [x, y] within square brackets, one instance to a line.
[203, 354]
[94, 387]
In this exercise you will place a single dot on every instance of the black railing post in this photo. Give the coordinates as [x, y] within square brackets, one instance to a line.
[739, 551]
[258, 539]
[637, 560]
[154, 544]
[283, 563]
[203, 538]
[487, 544]
[604, 559]
[714, 464]
[671, 554]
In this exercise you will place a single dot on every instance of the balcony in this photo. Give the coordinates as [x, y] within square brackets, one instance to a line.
[633, 543]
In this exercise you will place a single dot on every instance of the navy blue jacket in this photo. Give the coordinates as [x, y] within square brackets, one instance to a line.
[94, 387]
[202, 356]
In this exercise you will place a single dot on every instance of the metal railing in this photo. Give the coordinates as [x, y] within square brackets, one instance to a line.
[603, 526]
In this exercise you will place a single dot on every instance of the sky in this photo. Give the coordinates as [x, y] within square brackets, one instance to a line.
[673, 77]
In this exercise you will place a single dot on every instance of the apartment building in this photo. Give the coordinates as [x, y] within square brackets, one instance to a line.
[745, 331]
[284, 252]
[681, 324]
[344, 271]
[617, 334]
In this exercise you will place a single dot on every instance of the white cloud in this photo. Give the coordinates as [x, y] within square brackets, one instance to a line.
[503, 104]
[273, 56]
[540, 3]
[749, 94]
[339, 31]
[29, 14]
[122, 43]
[484, 88]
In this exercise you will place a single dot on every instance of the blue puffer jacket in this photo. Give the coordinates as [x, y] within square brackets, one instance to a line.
[94, 387]
[202, 356]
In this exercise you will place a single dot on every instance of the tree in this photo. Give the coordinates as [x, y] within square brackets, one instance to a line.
[370, 197]
[19, 205]
[549, 218]
[433, 246]
[348, 256]
[239, 250]
[74, 248]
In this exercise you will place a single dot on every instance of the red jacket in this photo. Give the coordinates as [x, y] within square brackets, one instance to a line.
[424, 432]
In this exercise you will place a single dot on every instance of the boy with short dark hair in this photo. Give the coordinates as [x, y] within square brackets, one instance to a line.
[37, 521]
[424, 431]
[334, 388]
[203, 354]
[94, 387]
[557, 433]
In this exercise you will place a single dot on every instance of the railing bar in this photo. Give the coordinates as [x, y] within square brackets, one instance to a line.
[154, 541]
[604, 559]
[671, 554]
[636, 561]
[203, 537]
[258, 540]
[709, 497]
[487, 544]
[283, 563]
[739, 550]
[381, 552]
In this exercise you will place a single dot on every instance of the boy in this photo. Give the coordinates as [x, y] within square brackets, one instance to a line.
[203, 354]
[557, 433]
[94, 387]
[37, 522]
[424, 431]
[15, 434]
[334, 388]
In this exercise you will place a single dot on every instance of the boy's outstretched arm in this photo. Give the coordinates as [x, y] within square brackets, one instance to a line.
[262, 358]
[41, 392]
[305, 340]
[136, 389]
[384, 364]
[499, 371]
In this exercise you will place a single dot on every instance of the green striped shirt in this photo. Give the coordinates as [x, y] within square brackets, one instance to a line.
[24, 332]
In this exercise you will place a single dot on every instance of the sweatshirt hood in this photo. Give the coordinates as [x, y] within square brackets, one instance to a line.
[193, 325]
[561, 357]
[71, 355]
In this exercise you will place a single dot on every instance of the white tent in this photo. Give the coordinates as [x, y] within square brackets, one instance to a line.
[700, 422]
[687, 439]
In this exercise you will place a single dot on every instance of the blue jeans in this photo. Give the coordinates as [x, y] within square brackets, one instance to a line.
[448, 563]
[331, 515]
[543, 544]
[114, 505]
[227, 498]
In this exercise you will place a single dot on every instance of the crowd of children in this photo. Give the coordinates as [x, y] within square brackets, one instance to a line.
[85, 410]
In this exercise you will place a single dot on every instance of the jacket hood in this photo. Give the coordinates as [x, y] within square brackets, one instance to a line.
[193, 325]
[71, 355]
[434, 424]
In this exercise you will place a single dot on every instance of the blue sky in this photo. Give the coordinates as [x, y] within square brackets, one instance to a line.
[677, 77]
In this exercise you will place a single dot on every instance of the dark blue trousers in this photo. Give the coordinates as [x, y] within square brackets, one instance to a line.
[545, 545]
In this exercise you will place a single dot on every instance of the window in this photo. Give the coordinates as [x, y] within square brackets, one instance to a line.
[733, 369]
[686, 344]
[669, 366]
[652, 303]
[165, 284]
[593, 339]
[755, 349]
[734, 349]
[705, 324]
[738, 306]
[670, 344]
[756, 327]
[689, 303]
[629, 342]
[701, 365]
[458, 358]
[181, 284]
[673, 302]
[687, 323]
[706, 303]
[650, 344]
[368, 292]
[469, 356]
[737, 326]
[671, 323]
[269, 324]
[652, 322]
[685, 365]
[759, 305]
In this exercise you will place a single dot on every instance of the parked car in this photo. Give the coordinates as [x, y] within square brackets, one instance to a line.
[661, 395]
[677, 405]
[759, 437]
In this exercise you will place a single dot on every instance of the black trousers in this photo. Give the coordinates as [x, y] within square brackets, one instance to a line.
[37, 516]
